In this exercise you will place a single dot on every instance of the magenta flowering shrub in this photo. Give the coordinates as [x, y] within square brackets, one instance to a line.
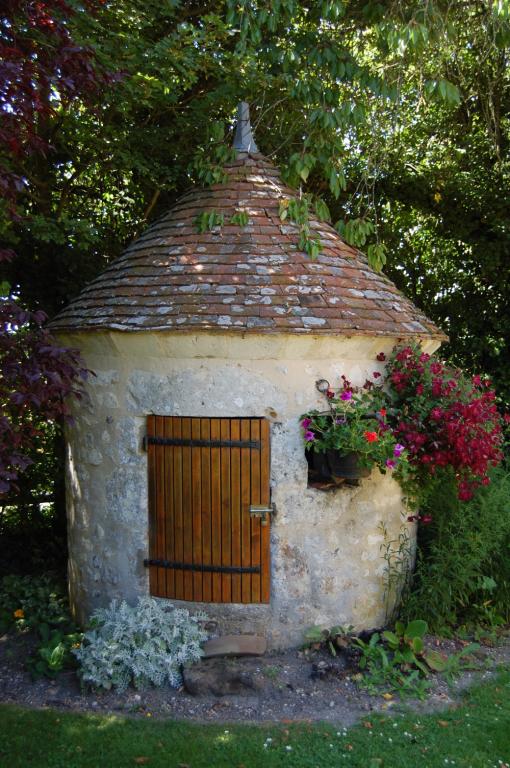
[36, 377]
[423, 417]
[445, 419]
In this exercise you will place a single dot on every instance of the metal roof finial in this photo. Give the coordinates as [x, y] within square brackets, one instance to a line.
[243, 140]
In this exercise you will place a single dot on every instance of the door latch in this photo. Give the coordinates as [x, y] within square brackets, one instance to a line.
[262, 511]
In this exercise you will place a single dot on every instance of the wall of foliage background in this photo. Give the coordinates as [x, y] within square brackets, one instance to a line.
[393, 117]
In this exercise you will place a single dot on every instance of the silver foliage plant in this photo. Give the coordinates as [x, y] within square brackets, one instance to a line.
[144, 644]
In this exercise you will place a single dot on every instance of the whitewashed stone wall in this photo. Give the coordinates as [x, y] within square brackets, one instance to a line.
[327, 564]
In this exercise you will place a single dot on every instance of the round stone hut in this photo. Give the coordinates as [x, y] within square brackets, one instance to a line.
[186, 474]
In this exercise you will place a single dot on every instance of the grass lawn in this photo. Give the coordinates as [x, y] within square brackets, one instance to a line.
[476, 734]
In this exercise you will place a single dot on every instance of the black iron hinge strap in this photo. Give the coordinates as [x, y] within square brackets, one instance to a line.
[202, 568]
[202, 443]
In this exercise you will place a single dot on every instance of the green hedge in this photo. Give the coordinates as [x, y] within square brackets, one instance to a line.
[463, 563]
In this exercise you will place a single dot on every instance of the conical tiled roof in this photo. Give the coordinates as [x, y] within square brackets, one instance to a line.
[242, 278]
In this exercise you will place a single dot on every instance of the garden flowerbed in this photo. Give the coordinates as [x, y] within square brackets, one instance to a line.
[290, 686]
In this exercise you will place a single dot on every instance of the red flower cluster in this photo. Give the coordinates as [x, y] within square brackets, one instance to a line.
[424, 519]
[445, 419]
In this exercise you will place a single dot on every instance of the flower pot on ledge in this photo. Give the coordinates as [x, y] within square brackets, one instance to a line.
[346, 465]
[334, 465]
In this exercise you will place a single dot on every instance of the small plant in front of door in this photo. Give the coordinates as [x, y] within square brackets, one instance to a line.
[143, 645]
[335, 639]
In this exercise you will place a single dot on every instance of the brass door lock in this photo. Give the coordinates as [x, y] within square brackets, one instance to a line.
[262, 511]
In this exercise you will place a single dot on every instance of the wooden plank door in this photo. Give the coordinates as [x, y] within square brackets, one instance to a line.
[204, 475]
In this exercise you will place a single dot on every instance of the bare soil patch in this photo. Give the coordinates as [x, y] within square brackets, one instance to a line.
[288, 686]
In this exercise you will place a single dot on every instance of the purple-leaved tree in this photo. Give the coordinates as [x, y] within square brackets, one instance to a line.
[42, 72]
[36, 377]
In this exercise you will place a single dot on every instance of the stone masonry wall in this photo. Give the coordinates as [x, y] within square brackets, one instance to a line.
[327, 564]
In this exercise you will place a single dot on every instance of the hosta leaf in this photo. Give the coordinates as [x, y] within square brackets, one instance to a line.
[416, 628]
[417, 645]
[435, 661]
[391, 638]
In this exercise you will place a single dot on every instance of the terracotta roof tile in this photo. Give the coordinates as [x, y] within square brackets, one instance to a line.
[244, 278]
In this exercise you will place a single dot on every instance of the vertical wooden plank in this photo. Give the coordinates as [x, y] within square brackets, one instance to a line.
[187, 510]
[205, 434]
[160, 506]
[265, 498]
[235, 502]
[169, 506]
[196, 508]
[153, 521]
[245, 512]
[177, 502]
[216, 531]
[255, 455]
[226, 522]
[159, 550]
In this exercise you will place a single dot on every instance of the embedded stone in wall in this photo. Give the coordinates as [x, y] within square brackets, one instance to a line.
[229, 391]
[130, 433]
[126, 498]
[94, 457]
